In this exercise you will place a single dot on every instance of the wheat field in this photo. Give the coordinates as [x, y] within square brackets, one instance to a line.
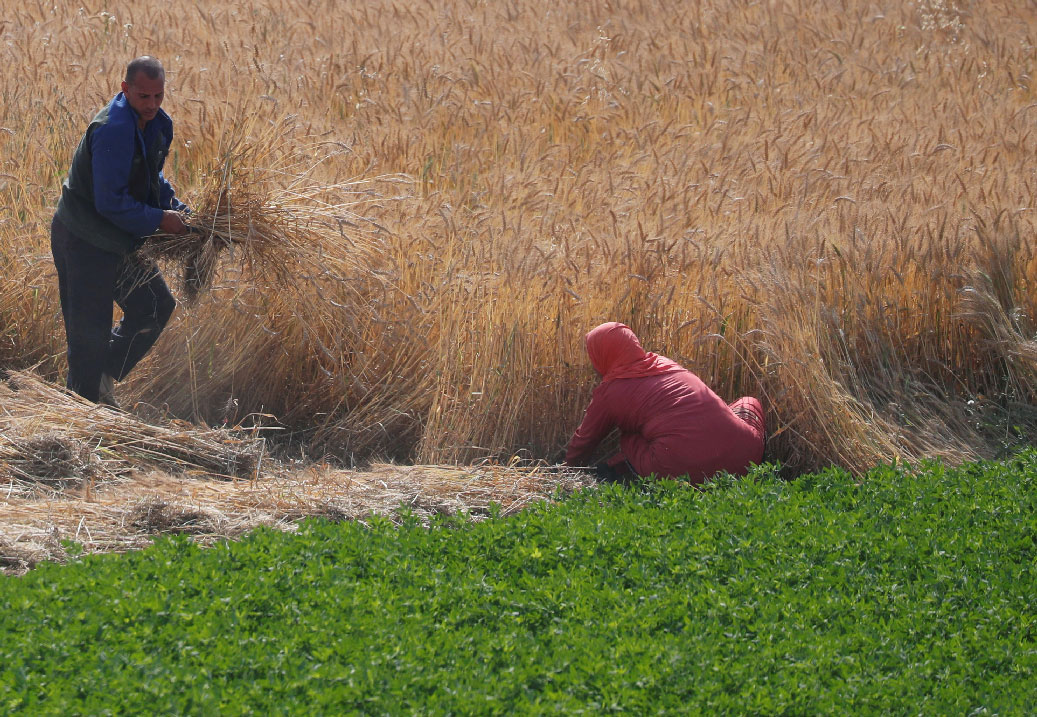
[828, 205]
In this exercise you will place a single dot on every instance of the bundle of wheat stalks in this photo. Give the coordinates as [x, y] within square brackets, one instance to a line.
[251, 208]
[53, 438]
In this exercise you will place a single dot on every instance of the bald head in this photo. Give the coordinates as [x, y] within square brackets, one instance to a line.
[147, 64]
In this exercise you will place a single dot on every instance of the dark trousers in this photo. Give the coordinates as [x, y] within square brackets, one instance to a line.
[89, 281]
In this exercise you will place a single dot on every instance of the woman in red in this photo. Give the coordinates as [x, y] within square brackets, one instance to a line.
[671, 424]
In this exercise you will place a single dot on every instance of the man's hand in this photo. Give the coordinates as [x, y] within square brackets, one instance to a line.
[172, 223]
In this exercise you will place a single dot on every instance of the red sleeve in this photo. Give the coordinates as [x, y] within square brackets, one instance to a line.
[595, 426]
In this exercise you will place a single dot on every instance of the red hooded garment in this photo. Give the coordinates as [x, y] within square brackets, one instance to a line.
[671, 424]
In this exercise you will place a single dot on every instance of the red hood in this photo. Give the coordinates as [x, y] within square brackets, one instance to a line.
[615, 352]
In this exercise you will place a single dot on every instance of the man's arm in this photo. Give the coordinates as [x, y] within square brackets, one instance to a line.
[111, 147]
[167, 196]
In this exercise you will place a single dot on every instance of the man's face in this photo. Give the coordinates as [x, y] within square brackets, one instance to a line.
[144, 95]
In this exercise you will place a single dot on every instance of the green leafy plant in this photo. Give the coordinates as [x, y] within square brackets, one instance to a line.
[907, 590]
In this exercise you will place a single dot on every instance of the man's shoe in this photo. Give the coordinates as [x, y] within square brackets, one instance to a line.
[106, 392]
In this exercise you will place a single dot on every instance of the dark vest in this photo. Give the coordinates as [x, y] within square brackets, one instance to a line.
[76, 207]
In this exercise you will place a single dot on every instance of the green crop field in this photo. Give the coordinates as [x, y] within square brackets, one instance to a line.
[828, 206]
[906, 591]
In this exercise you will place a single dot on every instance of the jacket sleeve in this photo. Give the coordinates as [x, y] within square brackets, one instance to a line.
[111, 147]
[166, 194]
[167, 197]
[596, 424]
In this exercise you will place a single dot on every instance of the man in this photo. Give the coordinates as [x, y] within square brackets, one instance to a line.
[114, 196]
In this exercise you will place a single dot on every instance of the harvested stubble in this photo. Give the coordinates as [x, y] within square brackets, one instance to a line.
[51, 436]
[127, 515]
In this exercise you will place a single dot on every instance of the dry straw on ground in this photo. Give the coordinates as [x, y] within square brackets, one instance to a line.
[50, 437]
[74, 471]
[128, 514]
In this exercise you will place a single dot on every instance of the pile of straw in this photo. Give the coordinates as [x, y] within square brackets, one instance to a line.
[52, 438]
[51, 458]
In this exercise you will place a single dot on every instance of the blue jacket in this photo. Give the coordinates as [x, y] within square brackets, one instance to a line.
[115, 191]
